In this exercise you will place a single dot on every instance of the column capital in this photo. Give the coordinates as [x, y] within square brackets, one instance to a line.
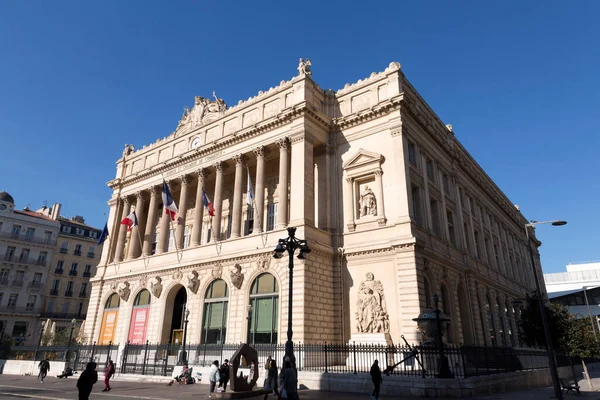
[220, 166]
[154, 191]
[261, 151]
[186, 179]
[283, 143]
[349, 180]
[202, 173]
[240, 159]
[378, 172]
[142, 195]
[128, 199]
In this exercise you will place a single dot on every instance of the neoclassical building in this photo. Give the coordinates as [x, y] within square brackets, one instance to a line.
[394, 209]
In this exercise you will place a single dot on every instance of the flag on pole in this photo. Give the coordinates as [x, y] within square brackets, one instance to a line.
[249, 192]
[168, 202]
[208, 204]
[130, 220]
[103, 235]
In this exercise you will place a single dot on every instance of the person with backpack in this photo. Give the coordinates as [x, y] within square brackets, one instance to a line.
[377, 379]
[109, 371]
[86, 381]
[44, 367]
[224, 375]
[213, 377]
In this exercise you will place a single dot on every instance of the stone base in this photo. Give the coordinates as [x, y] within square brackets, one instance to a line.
[239, 395]
[383, 339]
[365, 360]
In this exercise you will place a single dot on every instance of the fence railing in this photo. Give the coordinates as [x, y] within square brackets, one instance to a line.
[419, 361]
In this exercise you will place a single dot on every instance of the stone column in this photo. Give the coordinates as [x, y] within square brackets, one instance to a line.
[150, 223]
[302, 196]
[180, 232]
[135, 238]
[282, 209]
[162, 246]
[122, 230]
[199, 210]
[349, 204]
[218, 204]
[259, 195]
[379, 193]
[236, 219]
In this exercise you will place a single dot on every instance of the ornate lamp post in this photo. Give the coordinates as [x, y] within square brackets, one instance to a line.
[432, 324]
[183, 356]
[538, 293]
[291, 244]
[73, 322]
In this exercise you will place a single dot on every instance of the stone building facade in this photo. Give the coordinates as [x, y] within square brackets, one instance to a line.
[392, 206]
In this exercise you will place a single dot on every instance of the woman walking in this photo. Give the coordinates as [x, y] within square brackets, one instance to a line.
[271, 381]
[376, 378]
[109, 371]
[213, 377]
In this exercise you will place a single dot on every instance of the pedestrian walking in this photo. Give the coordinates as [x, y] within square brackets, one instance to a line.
[377, 379]
[271, 380]
[109, 371]
[224, 375]
[86, 381]
[44, 367]
[213, 377]
[289, 388]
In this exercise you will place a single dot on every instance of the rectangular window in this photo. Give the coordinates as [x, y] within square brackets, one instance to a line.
[87, 271]
[73, 270]
[249, 228]
[16, 230]
[496, 258]
[153, 250]
[83, 289]
[80, 231]
[412, 156]
[186, 237]
[19, 329]
[66, 229]
[77, 251]
[37, 278]
[47, 237]
[64, 247]
[50, 306]
[271, 216]
[4, 274]
[10, 253]
[229, 220]
[42, 258]
[435, 218]
[486, 244]
[451, 233]
[55, 286]
[477, 244]
[208, 232]
[1, 296]
[416, 205]
[430, 171]
[24, 257]
[91, 252]
[31, 303]
[19, 276]
[93, 234]
[12, 300]
[69, 290]
[171, 240]
[29, 233]
[59, 267]
[446, 184]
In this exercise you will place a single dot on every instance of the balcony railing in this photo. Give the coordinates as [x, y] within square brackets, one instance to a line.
[63, 250]
[87, 274]
[28, 239]
[17, 283]
[91, 255]
[55, 315]
[77, 252]
[73, 273]
[26, 261]
[59, 271]
[69, 294]
[11, 308]
[54, 292]
[36, 285]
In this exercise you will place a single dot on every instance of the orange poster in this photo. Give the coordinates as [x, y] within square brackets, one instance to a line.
[107, 331]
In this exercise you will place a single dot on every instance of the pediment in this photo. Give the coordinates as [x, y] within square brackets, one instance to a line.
[362, 158]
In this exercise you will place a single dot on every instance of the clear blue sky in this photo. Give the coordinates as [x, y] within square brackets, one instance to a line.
[517, 80]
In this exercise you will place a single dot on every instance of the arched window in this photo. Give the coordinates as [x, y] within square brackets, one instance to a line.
[113, 302]
[264, 311]
[214, 325]
[139, 318]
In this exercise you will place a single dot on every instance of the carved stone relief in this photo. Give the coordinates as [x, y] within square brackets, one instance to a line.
[177, 275]
[204, 110]
[263, 263]
[144, 281]
[193, 283]
[371, 314]
[217, 271]
[156, 286]
[123, 289]
[237, 278]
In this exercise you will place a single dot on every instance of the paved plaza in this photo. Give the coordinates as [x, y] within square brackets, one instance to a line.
[28, 387]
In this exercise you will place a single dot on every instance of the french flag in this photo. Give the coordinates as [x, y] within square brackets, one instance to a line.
[208, 204]
[168, 202]
[130, 220]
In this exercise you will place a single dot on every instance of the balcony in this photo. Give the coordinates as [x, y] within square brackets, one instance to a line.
[17, 283]
[68, 316]
[54, 292]
[73, 273]
[77, 253]
[35, 286]
[28, 239]
[26, 261]
[59, 271]
[11, 308]
[87, 274]
[91, 255]
[63, 250]
[69, 294]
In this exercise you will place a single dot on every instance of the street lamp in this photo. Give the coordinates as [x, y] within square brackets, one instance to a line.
[291, 244]
[551, 361]
[183, 356]
[73, 322]
[444, 370]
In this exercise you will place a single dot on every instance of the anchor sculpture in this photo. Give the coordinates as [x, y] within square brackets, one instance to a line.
[414, 353]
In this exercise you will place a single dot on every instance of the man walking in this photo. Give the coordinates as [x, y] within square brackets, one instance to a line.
[224, 374]
[376, 378]
[44, 367]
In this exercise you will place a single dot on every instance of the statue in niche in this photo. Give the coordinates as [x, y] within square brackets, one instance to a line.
[237, 278]
[156, 286]
[304, 67]
[371, 315]
[368, 203]
[123, 290]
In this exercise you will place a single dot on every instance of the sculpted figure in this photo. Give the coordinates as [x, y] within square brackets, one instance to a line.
[236, 276]
[371, 315]
[368, 203]
[304, 67]
[193, 282]
[128, 149]
[123, 290]
[156, 286]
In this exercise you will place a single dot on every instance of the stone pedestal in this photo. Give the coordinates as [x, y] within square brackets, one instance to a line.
[382, 339]
[364, 348]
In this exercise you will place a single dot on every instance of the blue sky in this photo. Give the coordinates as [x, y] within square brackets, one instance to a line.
[517, 80]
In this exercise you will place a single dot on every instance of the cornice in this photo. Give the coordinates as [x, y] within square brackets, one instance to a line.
[368, 114]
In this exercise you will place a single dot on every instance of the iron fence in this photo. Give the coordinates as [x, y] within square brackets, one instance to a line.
[77, 356]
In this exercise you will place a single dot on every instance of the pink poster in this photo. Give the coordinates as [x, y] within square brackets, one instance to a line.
[139, 323]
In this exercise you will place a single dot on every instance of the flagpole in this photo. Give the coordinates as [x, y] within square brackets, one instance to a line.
[141, 244]
[258, 212]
